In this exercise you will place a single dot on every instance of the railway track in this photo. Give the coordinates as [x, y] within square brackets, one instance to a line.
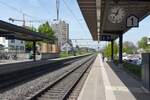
[76, 91]
[14, 79]
[61, 88]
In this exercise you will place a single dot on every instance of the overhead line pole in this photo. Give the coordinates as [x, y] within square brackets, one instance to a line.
[57, 7]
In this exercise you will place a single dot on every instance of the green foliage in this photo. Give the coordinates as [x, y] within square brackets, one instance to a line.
[44, 29]
[135, 69]
[29, 44]
[67, 54]
[129, 47]
[116, 62]
[107, 50]
[143, 44]
[47, 30]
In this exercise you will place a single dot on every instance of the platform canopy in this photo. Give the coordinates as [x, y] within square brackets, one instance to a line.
[12, 31]
[109, 17]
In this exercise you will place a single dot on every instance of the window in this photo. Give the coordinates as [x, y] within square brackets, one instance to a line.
[21, 47]
[12, 47]
[21, 41]
[17, 47]
[13, 41]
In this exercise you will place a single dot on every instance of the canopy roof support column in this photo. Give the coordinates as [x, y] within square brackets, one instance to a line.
[120, 48]
[112, 50]
[34, 50]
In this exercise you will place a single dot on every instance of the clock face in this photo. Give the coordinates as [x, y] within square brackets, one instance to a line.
[116, 15]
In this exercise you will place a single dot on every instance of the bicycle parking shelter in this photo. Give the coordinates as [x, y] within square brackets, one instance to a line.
[11, 31]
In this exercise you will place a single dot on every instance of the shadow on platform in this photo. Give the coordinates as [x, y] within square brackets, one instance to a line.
[134, 86]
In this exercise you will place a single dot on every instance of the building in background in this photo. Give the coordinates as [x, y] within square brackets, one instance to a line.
[48, 48]
[67, 46]
[12, 45]
[61, 29]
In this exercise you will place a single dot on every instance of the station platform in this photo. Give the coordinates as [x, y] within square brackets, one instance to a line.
[108, 82]
[17, 65]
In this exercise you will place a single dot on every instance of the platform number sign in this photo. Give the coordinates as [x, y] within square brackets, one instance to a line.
[105, 37]
[132, 21]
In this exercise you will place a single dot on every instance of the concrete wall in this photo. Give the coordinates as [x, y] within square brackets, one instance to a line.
[49, 55]
[23, 56]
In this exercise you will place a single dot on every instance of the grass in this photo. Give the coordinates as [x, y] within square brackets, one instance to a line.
[135, 69]
[65, 54]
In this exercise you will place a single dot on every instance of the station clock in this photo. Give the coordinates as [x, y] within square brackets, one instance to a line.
[116, 14]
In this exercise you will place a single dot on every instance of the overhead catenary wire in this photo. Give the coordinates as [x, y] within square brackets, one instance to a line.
[24, 13]
[13, 8]
[78, 21]
[74, 16]
[17, 10]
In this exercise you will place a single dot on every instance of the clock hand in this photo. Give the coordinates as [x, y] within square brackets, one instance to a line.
[117, 12]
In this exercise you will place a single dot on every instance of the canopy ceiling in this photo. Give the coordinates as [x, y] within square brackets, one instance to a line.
[96, 12]
[11, 31]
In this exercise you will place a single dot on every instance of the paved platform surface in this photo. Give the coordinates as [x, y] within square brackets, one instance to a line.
[3, 62]
[108, 82]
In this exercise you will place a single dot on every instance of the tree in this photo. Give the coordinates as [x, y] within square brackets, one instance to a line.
[29, 44]
[47, 30]
[44, 29]
[129, 47]
[107, 50]
[143, 44]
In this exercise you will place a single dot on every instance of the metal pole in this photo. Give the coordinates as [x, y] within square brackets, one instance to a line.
[112, 50]
[34, 50]
[57, 7]
[24, 20]
[120, 48]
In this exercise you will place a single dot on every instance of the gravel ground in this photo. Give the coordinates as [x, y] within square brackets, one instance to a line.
[29, 88]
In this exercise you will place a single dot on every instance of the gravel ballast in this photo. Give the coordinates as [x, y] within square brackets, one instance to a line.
[27, 89]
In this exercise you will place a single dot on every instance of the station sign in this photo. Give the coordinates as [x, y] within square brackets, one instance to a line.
[105, 38]
[132, 21]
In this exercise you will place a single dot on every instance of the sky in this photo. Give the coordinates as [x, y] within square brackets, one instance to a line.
[69, 12]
